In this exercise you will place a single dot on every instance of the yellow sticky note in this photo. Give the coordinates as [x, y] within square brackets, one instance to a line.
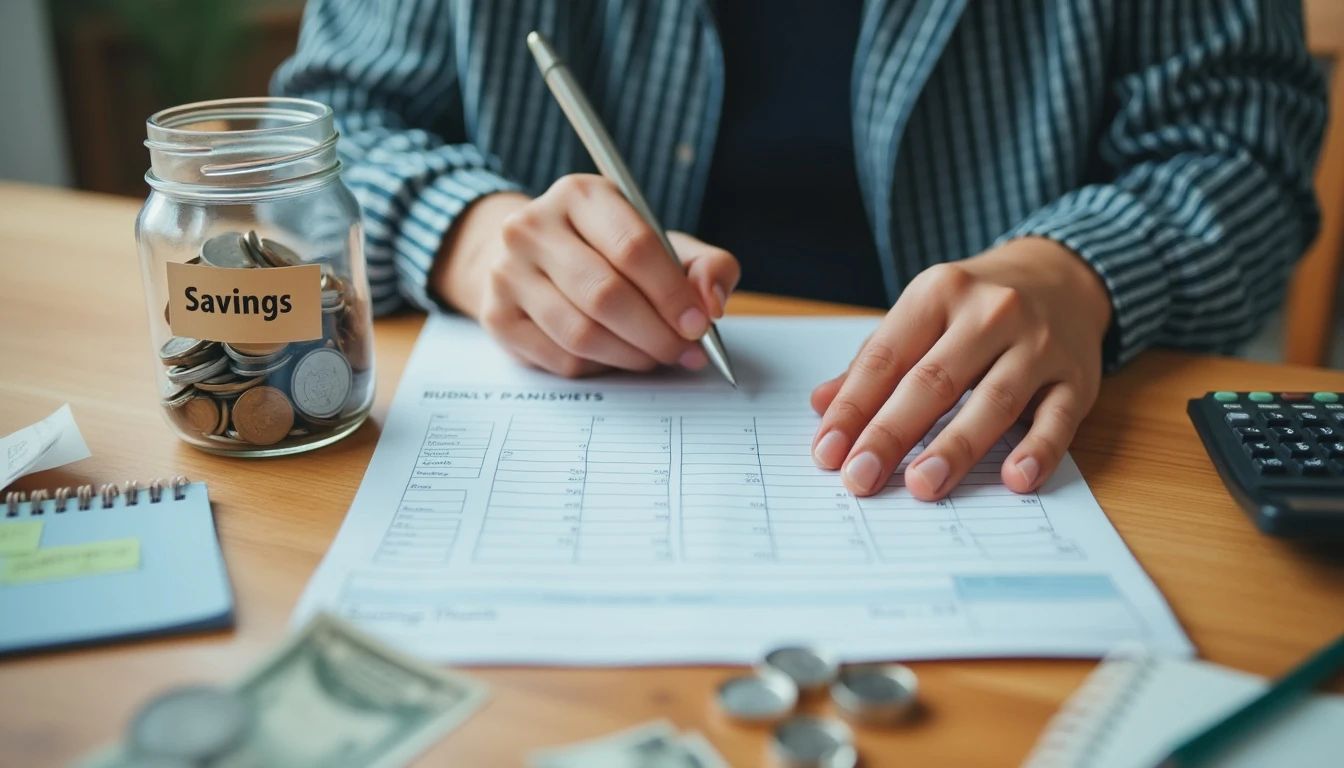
[20, 538]
[55, 563]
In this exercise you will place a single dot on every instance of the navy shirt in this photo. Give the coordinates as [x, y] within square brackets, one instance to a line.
[783, 195]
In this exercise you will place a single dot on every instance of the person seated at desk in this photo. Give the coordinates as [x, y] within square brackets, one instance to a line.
[1035, 190]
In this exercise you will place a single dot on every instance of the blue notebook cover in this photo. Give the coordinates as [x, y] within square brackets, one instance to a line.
[180, 586]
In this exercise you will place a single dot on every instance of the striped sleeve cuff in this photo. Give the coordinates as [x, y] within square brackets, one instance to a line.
[1108, 228]
[428, 219]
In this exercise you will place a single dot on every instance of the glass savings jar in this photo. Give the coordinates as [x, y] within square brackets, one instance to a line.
[251, 252]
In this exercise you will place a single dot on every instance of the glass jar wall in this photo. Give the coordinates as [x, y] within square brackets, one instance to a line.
[251, 254]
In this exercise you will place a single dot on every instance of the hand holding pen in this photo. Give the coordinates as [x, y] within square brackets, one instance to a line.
[581, 279]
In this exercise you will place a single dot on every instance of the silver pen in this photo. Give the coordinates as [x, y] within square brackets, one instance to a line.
[603, 151]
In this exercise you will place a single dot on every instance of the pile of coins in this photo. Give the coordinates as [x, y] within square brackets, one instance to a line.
[240, 396]
[867, 694]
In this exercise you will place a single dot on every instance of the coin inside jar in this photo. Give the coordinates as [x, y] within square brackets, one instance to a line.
[811, 670]
[263, 415]
[257, 350]
[875, 694]
[321, 383]
[227, 250]
[202, 414]
[764, 696]
[198, 724]
[813, 742]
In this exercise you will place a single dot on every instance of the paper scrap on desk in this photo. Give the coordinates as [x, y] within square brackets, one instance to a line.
[508, 516]
[50, 443]
[20, 538]
[655, 743]
[54, 563]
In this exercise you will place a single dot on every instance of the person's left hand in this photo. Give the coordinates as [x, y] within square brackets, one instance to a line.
[1022, 323]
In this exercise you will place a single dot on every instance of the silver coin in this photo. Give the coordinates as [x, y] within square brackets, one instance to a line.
[763, 696]
[279, 255]
[181, 346]
[226, 250]
[813, 742]
[320, 383]
[177, 395]
[198, 373]
[812, 670]
[253, 244]
[875, 694]
[251, 371]
[255, 361]
[198, 723]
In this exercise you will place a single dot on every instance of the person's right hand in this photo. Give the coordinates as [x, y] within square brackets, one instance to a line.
[575, 282]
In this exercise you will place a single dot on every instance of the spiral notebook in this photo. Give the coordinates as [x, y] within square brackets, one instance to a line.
[80, 566]
[1132, 711]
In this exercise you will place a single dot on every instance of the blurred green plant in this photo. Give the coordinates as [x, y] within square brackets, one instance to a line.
[189, 45]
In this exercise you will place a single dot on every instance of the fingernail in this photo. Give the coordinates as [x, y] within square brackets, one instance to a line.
[830, 451]
[933, 471]
[863, 470]
[693, 358]
[722, 296]
[1030, 469]
[693, 323]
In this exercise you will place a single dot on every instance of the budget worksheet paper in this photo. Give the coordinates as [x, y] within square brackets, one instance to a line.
[509, 516]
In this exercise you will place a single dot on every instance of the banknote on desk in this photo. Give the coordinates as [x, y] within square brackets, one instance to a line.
[331, 697]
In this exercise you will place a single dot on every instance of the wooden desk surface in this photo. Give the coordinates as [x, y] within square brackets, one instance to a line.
[75, 331]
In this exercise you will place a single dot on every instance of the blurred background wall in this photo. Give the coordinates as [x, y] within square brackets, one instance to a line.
[82, 76]
[34, 146]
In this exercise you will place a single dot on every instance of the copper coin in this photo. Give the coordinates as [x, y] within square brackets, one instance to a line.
[223, 417]
[203, 414]
[263, 415]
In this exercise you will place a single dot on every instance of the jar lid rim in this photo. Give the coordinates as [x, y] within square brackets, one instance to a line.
[313, 111]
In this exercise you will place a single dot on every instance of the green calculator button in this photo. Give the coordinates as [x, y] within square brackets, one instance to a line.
[1325, 397]
[1261, 397]
[1225, 397]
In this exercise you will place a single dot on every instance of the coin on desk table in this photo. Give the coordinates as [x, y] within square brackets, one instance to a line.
[321, 383]
[875, 694]
[764, 696]
[813, 742]
[263, 415]
[810, 669]
[227, 250]
[198, 724]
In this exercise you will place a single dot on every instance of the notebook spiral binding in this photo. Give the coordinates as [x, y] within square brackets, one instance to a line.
[1077, 733]
[85, 496]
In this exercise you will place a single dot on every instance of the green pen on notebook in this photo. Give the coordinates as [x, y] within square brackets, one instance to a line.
[1205, 746]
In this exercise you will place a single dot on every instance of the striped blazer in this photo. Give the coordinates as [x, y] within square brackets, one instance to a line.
[1170, 143]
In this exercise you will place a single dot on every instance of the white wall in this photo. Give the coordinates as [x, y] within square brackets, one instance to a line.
[32, 128]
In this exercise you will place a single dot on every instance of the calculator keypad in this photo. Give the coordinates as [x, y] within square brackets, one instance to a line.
[1287, 433]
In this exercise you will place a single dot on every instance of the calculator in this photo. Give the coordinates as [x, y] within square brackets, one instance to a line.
[1281, 456]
